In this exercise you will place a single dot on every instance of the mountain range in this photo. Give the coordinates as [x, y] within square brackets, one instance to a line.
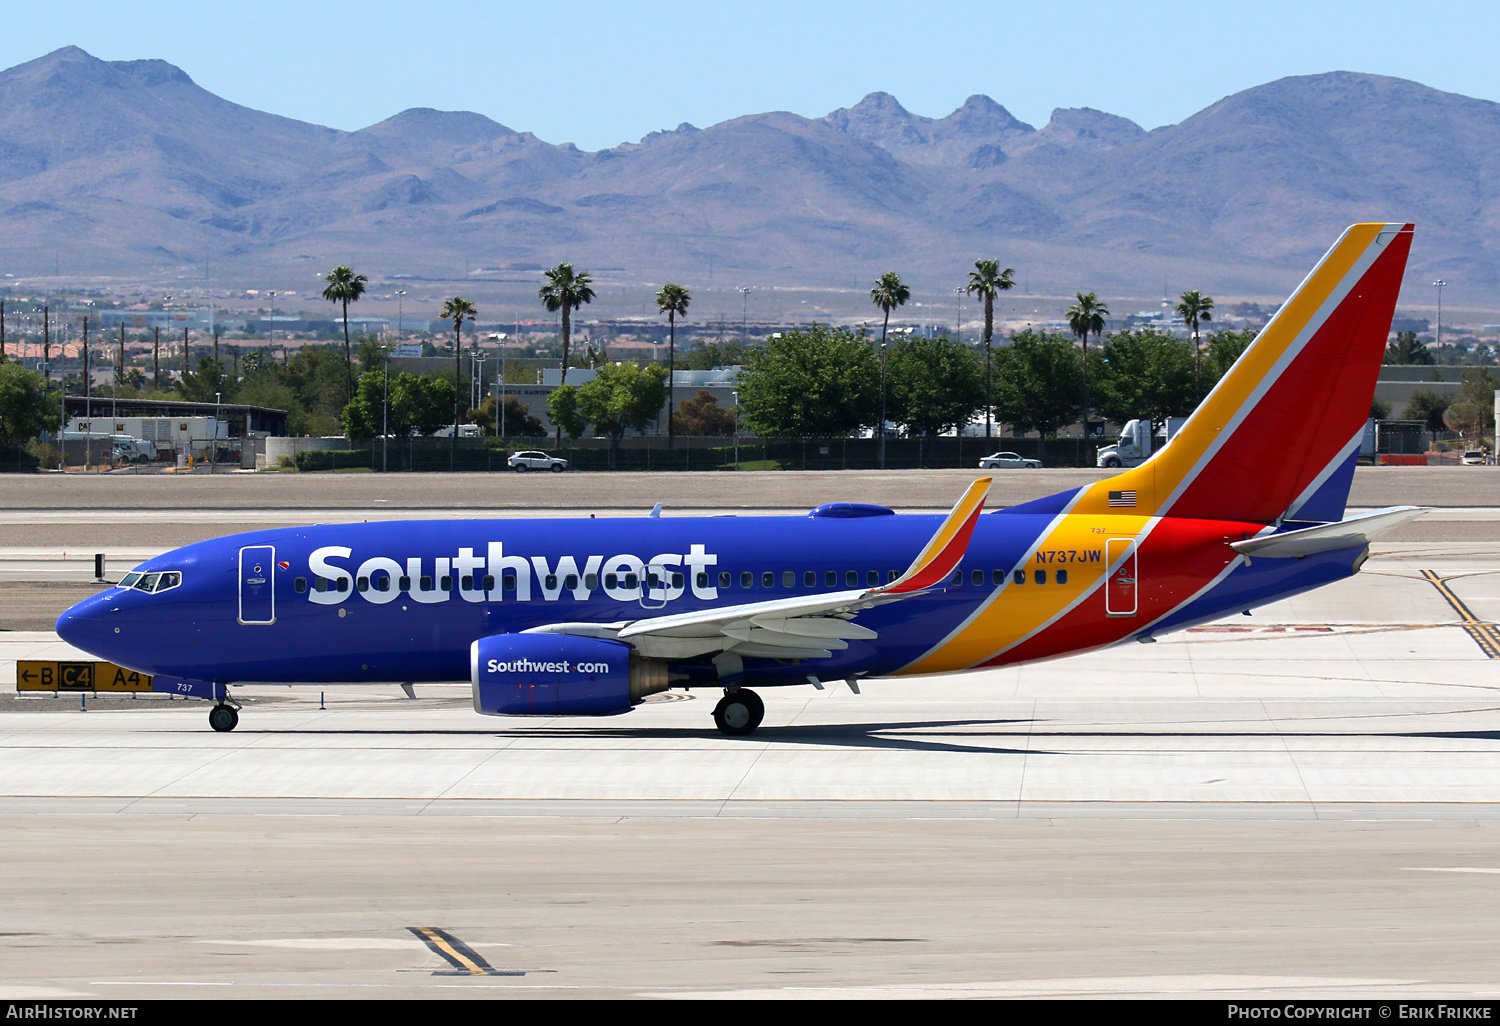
[129, 168]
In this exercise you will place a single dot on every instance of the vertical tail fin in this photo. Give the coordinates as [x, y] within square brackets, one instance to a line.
[1280, 432]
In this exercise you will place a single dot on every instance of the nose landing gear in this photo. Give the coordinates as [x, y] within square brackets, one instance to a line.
[223, 717]
[739, 712]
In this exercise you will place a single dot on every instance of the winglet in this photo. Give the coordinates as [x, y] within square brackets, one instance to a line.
[947, 546]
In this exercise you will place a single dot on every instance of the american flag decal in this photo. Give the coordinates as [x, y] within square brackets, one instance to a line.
[1122, 498]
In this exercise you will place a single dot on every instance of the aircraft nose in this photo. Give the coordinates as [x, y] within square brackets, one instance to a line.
[86, 625]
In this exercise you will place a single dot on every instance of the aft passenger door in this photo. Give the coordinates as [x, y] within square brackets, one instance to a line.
[1120, 591]
[257, 584]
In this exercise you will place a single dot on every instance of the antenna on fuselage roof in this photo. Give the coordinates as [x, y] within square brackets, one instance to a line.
[655, 511]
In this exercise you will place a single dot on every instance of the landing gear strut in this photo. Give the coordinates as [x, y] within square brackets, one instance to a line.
[739, 712]
[223, 717]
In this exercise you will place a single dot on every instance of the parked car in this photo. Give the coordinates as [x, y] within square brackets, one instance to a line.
[524, 461]
[1474, 458]
[1007, 461]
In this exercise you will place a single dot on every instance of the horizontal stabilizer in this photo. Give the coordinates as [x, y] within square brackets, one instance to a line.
[1345, 534]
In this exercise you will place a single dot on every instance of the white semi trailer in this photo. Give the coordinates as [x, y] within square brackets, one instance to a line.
[1137, 443]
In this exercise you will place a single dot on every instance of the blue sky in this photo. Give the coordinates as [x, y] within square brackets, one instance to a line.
[600, 74]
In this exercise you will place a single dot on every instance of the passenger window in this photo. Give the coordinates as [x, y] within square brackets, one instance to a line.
[1019, 577]
[508, 582]
[550, 582]
[678, 580]
[446, 583]
[405, 584]
[891, 575]
[809, 578]
[343, 584]
[300, 585]
[632, 581]
[724, 578]
[1062, 577]
[570, 582]
[997, 577]
[611, 581]
[768, 579]
[851, 579]
[958, 579]
[872, 578]
[789, 578]
[364, 584]
[466, 583]
[489, 582]
[700, 580]
[976, 577]
[652, 581]
[383, 582]
[321, 584]
[425, 583]
[1040, 576]
[830, 578]
[747, 579]
[591, 581]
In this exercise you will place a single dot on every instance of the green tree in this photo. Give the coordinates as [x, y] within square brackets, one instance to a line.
[933, 384]
[702, 415]
[623, 397]
[1428, 407]
[1086, 317]
[1474, 409]
[562, 407]
[419, 404]
[1224, 348]
[718, 352]
[566, 290]
[818, 381]
[27, 408]
[513, 418]
[456, 309]
[672, 300]
[1040, 382]
[201, 385]
[1194, 308]
[986, 280]
[1144, 374]
[345, 287]
[1380, 409]
[888, 293]
[1406, 349]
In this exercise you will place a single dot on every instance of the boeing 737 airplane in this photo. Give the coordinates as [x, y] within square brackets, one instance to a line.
[588, 617]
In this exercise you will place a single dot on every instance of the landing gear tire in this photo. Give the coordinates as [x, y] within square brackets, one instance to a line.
[223, 718]
[739, 713]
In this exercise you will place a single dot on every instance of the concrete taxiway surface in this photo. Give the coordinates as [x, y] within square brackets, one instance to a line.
[1304, 802]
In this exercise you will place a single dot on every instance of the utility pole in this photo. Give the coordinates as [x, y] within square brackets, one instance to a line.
[156, 357]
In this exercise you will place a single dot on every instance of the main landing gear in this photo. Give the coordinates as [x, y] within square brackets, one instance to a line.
[223, 717]
[739, 712]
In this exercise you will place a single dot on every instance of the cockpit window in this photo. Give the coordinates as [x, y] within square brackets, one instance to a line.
[152, 583]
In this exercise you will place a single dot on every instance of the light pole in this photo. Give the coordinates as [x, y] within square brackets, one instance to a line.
[1439, 284]
[213, 443]
[959, 306]
[745, 315]
[500, 413]
[385, 410]
[400, 306]
[736, 395]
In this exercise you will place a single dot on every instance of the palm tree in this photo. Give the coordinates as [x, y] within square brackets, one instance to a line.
[344, 286]
[985, 280]
[457, 309]
[888, 294]
[566, 290]
[672, 300]
[1195, 307]
[1085, 316]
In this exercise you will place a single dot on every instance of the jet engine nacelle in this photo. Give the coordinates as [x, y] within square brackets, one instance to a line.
[559, 674]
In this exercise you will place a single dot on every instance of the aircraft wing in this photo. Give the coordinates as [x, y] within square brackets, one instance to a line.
[1357, 530]
[800, 627]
